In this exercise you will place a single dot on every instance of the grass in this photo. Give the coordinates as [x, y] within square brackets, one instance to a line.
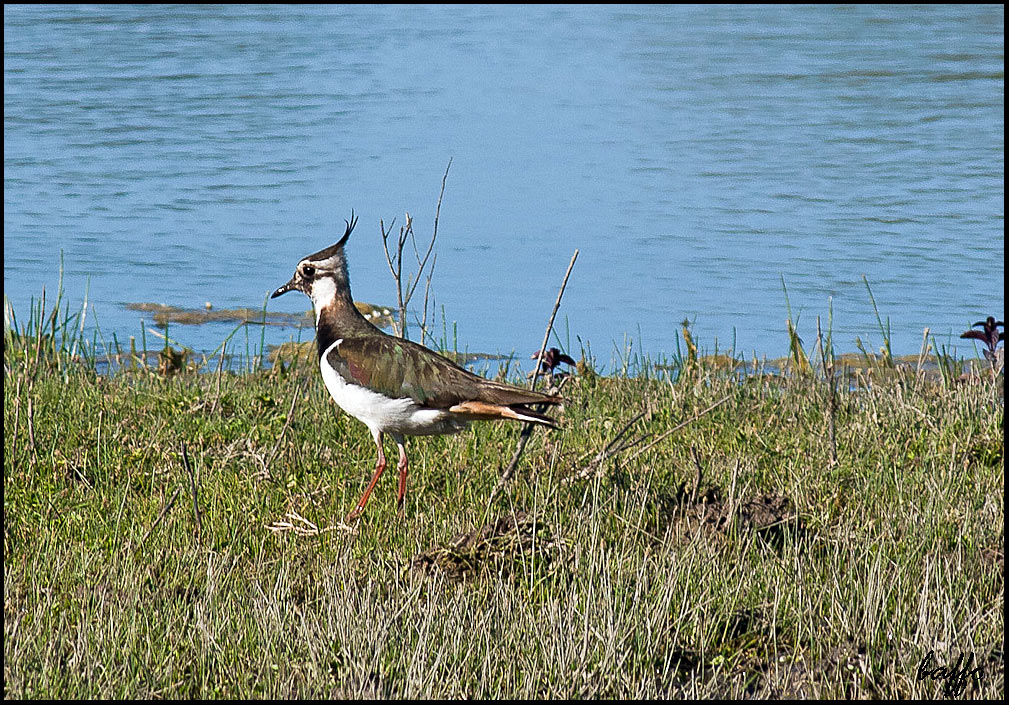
[731, 558]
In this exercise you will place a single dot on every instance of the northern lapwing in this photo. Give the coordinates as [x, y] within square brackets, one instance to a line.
[393, 385]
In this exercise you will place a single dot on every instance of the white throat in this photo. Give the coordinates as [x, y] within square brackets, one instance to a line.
[323, 294]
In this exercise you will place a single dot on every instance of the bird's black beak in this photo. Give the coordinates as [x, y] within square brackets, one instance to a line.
[289, 286]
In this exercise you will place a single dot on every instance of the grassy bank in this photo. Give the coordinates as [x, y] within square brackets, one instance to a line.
[713, 547]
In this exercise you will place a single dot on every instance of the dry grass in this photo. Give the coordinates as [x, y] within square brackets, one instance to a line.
[732, 558]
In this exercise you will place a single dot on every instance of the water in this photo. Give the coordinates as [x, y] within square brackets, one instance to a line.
[695, 155]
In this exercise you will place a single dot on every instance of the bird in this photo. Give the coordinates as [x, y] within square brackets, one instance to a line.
[991, 336]
[391, 384]
[550, 359]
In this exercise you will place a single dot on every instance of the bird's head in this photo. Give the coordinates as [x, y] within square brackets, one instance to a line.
[323, 275]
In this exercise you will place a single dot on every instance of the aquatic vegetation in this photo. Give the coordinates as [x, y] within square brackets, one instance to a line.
[799, 359]
[381, 316]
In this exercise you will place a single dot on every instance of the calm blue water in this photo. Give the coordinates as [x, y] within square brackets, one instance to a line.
[694, 155]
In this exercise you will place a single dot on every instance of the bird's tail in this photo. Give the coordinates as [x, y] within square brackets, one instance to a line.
[478, 410]
[524, 413]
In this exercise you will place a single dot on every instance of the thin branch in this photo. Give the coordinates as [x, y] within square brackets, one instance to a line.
[192, 489]
[395, 270]
[164, 510]
[615, 446]
[427, 294]
[434, 235]
[678, 426]
[528, 428]
[406, 289]
[550, 324]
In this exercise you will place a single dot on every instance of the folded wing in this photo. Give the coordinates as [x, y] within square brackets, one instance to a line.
[401, 368]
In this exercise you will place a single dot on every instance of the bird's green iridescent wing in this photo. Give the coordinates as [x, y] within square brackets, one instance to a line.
[400, 369]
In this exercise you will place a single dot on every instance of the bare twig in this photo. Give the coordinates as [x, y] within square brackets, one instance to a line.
[424, 335]
[406, 290]
[434, 236]
[164, 511]
[30, 415]
[220, 368]
[301, 526]
[192, 489]
[678, 426]
[528, 428]
[550, 323]
[615, 446]
[396, 269]
[923, 353]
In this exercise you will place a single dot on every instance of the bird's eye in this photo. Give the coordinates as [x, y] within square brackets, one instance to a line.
[308, 270]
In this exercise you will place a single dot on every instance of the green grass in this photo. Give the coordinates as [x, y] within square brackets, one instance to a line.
[777, 573]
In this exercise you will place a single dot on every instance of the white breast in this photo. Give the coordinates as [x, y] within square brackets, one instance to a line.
[382, 414]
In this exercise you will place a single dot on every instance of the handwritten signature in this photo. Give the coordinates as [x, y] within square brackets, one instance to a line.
[955, 677]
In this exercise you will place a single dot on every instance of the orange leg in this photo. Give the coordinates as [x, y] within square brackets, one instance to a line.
[379, 469]
[403, 470]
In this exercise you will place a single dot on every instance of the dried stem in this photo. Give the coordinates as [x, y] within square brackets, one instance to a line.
[528, 428]
[192, 489]
[424, 335]
[17, 425]
[678, 426]
[31, 423]
[733, 504]
[550, 323]
[421, 263]
[164, 510]
[406, 290]
[396, 270]
[614, 447]
[220, 369]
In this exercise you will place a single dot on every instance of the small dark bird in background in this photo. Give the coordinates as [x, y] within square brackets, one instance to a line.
[551, 359]
[990, 336]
